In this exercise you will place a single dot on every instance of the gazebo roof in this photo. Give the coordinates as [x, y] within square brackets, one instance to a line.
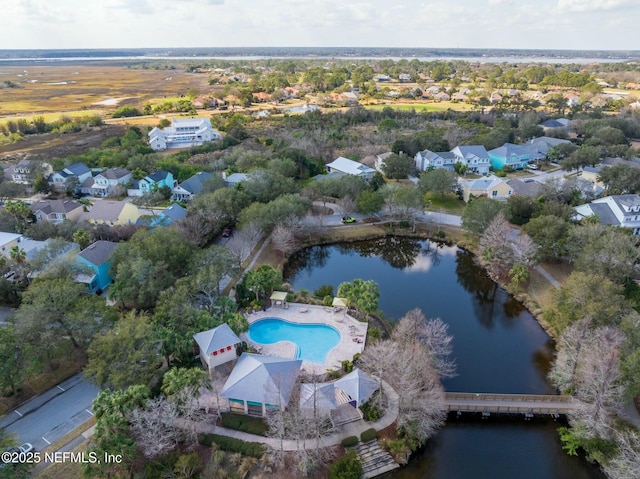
[340, 302]
[358, 385]
[278, 296]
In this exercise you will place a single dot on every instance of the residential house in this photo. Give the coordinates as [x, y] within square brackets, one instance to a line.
[350, 167]
[74, 175]
[514, 156]
[495, 97]
[183, 133]
[8, 241]
[169, 215]
[572, 99]
[543, 144]
[108, 183]
[258, 383]
[433, 90]
[442, 96]
[592, 174]
[234, 179]
[553, 123]
[617, 210]
[217, 346]
[57, 211]
[150, 183]
[475, 157]
[186, 190]
[112, 213]
[382, 78]
[261, 97]
[527, 187]
[97, 260]
[459, 96]
[427, 159]
[23, 173]
[490, 187]
[404, 78]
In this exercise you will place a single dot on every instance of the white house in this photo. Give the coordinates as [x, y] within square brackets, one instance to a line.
[107, 183]
[474, 156]
[617, 210]
[350, 167]
[22, 172]
[78, 172]
[183, 133]
[217, 345]
[427, 159]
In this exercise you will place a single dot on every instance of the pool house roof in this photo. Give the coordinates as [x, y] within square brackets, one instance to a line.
[216, 338]
[262, 379]
[339, 302]
[278, 296]
[318, 396]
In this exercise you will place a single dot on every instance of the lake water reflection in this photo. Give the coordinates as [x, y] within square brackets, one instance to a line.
[498, 346]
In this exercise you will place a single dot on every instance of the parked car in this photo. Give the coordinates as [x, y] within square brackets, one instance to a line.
[227, 232]
[532, 167]
[348, 219]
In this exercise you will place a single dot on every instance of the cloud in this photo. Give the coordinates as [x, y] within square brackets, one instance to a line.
[499, 2]
[579, 6]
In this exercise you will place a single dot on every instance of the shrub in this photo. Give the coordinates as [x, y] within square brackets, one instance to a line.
[327, 300]
[324, 290]
[370, 412]
[230, 444]
[347, 467]
[369, 435]
[501, 174]
[240, 422]
[350, 441]
[373, 332]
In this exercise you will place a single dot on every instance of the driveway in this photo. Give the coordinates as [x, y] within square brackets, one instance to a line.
[49, 416]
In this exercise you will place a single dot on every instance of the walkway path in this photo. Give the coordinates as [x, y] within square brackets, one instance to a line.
[545, 274]
[334, 439]
[509, 403]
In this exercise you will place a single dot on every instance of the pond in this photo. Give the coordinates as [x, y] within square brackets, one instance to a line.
[499, 347]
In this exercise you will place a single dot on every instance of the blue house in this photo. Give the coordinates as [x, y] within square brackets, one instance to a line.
[151, 182]
[515, 156]
[171, 213]
[97, 259]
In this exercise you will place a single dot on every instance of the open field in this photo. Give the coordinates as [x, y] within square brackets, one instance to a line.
[51, 117]
[73, 88]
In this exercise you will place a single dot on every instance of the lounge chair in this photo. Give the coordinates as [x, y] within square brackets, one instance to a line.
[304, 310]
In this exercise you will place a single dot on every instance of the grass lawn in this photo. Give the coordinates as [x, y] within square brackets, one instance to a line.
[51, 117]
[450, 204]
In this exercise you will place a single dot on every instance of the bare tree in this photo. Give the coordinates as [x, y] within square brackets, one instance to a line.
[244, 240]
[598, 383]
[432, 334]
[154, 426]
[494, 247]
[626, 463]
[574, 341]
[348, 205]
[283, 239]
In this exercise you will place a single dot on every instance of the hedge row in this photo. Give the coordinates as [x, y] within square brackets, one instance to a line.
[368, 435]
[252, 449]
[240, 422]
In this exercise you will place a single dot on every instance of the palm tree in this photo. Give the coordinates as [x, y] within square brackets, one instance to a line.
[82, 238]
[18, 255]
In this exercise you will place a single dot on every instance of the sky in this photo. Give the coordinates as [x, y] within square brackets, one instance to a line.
[526, 24]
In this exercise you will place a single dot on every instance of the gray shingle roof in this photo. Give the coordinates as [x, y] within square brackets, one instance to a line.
[77, 169]
[607, 217]
[55, 206]
[115, 173]
[175, 212]
[158, 176]
[99, 252]
[194, 185]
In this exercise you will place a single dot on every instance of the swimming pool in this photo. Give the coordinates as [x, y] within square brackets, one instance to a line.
[314, 341]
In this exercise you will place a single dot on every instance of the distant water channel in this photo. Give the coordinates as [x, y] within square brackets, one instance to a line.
[498, 346]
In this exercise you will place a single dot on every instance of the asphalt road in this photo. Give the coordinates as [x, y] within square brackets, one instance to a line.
[49, 416]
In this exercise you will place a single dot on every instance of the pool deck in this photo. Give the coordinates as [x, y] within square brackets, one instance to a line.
[350, 329]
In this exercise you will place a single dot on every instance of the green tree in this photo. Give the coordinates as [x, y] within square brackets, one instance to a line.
[398, 167]
[347, 467]
[263, 280]
[438, 181]
[519, 274]
[611, 252]
[520, 209]
[126, 355]
[21, 212]
[192, 380]
[369, 202]
[362, 294]
[550, 233]
[479, 213]
[620, 179]
[12, 362]
[210, 268]
[148, 263]
[589, 296]
[82, 238]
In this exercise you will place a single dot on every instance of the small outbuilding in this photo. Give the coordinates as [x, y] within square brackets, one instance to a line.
[217, 346]
[279, 298]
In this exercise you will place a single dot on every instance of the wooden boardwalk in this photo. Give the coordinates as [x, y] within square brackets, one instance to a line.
[528, 404]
